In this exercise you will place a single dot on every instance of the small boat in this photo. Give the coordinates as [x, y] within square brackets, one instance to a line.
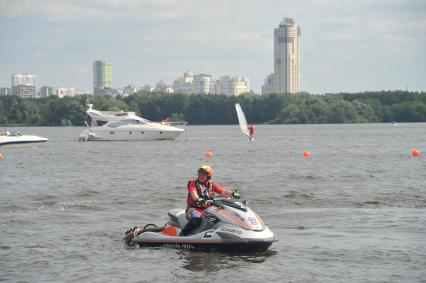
[125, 126]
[228, 225]
[16, 139]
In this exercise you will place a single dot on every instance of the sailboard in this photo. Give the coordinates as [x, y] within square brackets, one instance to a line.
[242, 120]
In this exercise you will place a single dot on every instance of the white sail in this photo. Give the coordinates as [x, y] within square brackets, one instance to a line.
[242, 119]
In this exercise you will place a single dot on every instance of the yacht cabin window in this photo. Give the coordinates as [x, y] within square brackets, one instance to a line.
[119, 123]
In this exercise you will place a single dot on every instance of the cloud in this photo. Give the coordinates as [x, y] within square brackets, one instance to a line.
[90, 11]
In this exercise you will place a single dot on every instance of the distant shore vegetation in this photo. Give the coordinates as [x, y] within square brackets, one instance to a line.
[301, 108]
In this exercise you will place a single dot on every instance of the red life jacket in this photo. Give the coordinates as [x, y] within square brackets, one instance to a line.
[206, 192]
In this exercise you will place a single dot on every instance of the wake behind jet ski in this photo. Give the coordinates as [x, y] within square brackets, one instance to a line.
[227, 225]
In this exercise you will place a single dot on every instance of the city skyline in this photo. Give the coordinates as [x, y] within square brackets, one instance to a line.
[367, 45]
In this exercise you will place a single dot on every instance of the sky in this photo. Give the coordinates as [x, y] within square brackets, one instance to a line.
[346, 46]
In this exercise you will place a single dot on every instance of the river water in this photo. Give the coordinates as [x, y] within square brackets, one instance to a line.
[355, 211]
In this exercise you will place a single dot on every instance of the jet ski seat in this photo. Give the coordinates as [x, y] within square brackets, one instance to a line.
[178, 215]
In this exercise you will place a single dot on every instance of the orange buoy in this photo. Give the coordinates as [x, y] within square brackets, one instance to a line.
[415, 153]
[208, 154]
[306, 153]
[1, 156]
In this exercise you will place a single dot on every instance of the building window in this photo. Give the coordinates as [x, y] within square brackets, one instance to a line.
[282, 39]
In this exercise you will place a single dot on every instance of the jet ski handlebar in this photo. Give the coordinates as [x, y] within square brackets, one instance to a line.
[222, 202]
[215, 202]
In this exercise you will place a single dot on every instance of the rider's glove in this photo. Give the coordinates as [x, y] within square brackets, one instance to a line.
[201, 202]
[236, 194]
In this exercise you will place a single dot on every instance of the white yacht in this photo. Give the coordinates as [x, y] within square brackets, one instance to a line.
[125, 126]
[16, 139]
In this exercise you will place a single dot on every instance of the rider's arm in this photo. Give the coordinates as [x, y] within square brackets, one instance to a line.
[194, 195]
[193, 191]
[227, 193]
[222, 191]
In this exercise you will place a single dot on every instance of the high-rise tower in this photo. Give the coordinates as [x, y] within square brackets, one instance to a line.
[286, 76]
[102, 77]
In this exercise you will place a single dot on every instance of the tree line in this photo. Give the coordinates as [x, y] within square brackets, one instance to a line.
[301, 108]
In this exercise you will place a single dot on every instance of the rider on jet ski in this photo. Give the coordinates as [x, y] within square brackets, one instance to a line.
[199, 191]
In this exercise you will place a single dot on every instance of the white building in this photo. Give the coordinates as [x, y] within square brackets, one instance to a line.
[286, 76]
[185, 84]
[24, 85]
[64, 91]
[202, 84]
[231, 86]
[129, 90]
[162, 87]
[81, 92]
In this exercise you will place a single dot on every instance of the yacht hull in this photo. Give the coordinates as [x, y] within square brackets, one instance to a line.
[110, 134]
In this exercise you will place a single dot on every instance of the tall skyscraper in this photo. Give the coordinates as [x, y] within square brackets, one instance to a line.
[24, 85]
[286, 76]
[102, 77]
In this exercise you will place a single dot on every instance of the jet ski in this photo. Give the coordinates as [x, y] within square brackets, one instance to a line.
[228, 225]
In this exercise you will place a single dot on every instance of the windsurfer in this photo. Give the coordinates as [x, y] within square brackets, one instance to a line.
[251, 131]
